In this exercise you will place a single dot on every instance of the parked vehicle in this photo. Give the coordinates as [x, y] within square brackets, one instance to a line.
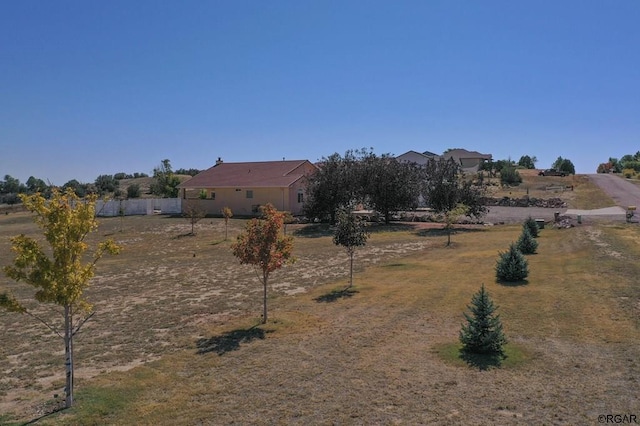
[552, 172]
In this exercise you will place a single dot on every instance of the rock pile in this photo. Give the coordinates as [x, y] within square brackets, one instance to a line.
[551, 203]
[563, 222]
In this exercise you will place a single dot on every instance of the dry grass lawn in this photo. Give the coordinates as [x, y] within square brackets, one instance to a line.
[175, 339]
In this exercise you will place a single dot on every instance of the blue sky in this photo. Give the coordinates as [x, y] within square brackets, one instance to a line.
[100, 87]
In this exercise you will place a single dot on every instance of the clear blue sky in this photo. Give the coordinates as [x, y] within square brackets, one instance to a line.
[99, 87]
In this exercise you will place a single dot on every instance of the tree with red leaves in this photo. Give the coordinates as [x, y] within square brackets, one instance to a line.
[263, 245]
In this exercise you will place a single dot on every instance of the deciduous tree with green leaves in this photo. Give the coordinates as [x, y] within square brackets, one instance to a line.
[335, 184]
[350, 233]
[263, 246]
[528, 162]
[59, 273]
[166, 182]
[564, 165]
[389, 185]
[451, 217]
[445, 186]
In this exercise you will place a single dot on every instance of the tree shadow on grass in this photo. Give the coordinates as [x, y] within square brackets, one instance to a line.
[441, 232]
[229, 341]
[513, 283]
[335, 295]
[315, 230]
[377, 227]
[180, 236]
[482, 362]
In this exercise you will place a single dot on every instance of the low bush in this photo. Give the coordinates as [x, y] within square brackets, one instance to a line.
[133, 191]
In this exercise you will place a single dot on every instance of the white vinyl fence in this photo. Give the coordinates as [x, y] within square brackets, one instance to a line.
[139, 206]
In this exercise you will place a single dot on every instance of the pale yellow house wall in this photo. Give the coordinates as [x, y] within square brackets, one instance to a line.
[294, 206]
[285, 199]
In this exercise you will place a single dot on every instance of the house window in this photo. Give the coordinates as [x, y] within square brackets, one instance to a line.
[300, 197]
[212, 195]
[249, 193]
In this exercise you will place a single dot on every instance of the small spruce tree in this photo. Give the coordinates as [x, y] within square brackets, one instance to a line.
[532, 226]
[526, 243]
[512, 266]
[482, 334]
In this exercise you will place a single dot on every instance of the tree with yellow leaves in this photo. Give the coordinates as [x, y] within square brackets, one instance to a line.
[226, 214]
[60, 274]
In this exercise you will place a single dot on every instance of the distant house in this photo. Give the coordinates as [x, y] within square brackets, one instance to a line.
[420, 158]
[470, 161]
[244, 187]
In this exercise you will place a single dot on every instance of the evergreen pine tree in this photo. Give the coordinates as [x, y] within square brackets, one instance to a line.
[512, 266]
[526, 243]
[532, 226]
[483, 332]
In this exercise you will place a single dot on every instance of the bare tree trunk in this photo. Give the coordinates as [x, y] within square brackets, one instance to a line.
[68, 350]
[226, 226]
[448, 236]
[350, 268]
[265, 277]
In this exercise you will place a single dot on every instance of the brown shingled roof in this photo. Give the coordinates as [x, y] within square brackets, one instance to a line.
[463, 153]
[250, 174]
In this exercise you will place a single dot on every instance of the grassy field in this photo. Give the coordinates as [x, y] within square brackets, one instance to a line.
[175, 338]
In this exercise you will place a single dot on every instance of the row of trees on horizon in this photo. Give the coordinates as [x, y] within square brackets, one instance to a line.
[164, 184]
[165, 179]
[628, 164]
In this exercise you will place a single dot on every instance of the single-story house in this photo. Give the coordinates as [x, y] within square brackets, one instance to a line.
[244, 187]
[470, 161]
[420, 158]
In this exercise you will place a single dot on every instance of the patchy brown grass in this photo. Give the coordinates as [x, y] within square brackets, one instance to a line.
[154, 298]
[183, 331]
[589, 196]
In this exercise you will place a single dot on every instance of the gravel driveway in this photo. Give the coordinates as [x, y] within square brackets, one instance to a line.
[499, 214]
[624, 193]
